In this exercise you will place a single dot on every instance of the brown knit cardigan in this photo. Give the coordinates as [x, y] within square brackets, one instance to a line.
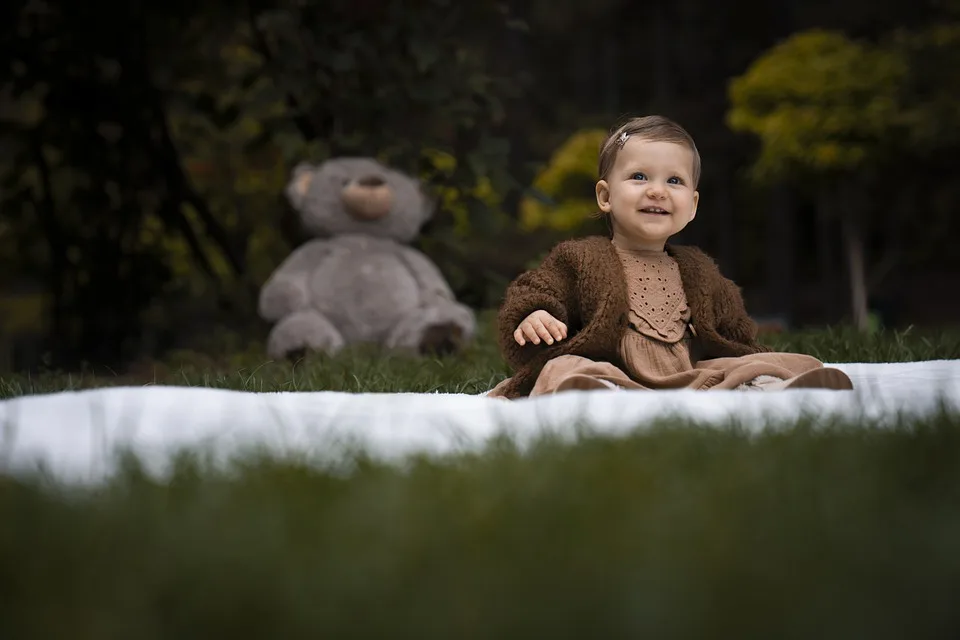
[581, 283]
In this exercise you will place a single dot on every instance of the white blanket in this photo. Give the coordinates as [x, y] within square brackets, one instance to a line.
[74, 435]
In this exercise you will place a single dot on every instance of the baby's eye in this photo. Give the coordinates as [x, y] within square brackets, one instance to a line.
[675, 180]
[638, 176]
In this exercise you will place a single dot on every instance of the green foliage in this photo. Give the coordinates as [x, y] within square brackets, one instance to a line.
[567, 183]
[22, 313]
[819, 103]
[454, 200]
[827, 531]
[399, 83]
[168, 183]
[238, 145]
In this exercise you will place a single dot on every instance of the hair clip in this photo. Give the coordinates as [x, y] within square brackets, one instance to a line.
[622, 139]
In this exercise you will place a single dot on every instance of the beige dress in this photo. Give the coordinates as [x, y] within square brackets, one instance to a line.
[658, 348]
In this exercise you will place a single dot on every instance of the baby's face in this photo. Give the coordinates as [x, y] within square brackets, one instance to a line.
[649, 193]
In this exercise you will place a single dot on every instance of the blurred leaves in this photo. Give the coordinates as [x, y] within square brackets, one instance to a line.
[563, 191]
[152, 164]
[819, 103]
[175, 143]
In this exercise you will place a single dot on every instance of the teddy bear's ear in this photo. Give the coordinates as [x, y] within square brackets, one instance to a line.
[303, 174]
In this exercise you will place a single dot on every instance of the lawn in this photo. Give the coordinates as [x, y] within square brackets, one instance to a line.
[476, 370]
[838, 531]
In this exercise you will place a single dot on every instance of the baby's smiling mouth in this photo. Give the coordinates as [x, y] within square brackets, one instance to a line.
[655, 210]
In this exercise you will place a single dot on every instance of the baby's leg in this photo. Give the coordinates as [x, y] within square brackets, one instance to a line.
[576, 373]
[303, 331]
[823, 378]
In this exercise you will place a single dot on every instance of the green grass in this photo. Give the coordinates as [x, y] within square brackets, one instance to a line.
[844, 344]
[676, 533]
[478, 369]
[806, 531]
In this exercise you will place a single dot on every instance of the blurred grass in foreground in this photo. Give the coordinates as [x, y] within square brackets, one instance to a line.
[833, 532]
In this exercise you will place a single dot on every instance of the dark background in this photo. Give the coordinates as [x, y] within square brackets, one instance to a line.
[144, 149]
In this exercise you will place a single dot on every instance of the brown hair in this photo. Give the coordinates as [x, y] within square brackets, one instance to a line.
[653, 128]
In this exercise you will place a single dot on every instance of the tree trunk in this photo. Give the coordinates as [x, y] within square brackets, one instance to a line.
[853, 245]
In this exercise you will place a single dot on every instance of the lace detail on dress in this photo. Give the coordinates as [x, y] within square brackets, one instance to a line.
[658, 306]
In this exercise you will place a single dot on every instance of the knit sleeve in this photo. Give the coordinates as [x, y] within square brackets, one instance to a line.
[552, 287]
[733, 321]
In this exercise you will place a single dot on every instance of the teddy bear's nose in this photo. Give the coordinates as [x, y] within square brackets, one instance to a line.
[368, 198]
[371, 181]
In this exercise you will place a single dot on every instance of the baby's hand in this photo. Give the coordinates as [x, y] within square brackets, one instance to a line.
[537, 325]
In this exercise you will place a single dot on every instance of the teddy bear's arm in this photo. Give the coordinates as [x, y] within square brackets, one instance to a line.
[286, 290]
[432, 283]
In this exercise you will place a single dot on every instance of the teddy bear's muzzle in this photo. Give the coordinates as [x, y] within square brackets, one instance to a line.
[367, 198]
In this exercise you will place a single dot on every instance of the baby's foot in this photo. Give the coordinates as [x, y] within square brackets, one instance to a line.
[759, 383]
[823, 378]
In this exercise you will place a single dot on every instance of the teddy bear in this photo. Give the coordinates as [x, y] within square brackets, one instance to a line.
[358, 280]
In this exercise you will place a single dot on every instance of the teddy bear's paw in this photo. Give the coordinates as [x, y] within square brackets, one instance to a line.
[440, 329]
[441, 339]
[302, 332]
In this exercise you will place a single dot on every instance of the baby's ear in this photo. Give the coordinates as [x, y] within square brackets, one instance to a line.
[299, 183]
[603, 196]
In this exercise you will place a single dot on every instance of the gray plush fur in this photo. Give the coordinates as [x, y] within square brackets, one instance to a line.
[359, 281]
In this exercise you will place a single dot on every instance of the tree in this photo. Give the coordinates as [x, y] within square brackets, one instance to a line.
[827, 112]
[380, 78]
[563, 191]
[131, 164]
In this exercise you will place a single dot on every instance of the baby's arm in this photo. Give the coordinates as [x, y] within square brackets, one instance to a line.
[551, 287]
[538, 326]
